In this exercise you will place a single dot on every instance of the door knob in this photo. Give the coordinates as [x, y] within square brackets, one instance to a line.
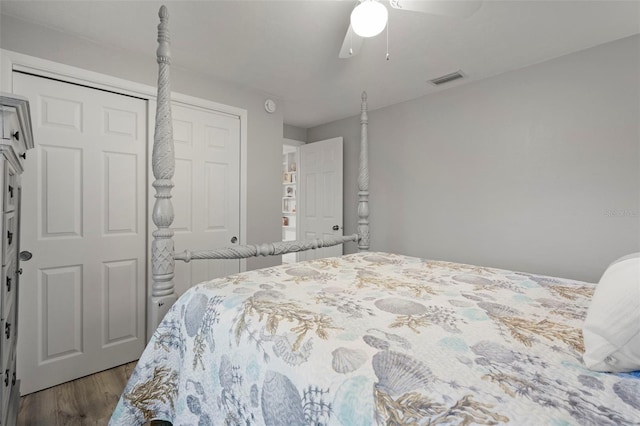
[335, 227]
[234, 239]
[25, 255]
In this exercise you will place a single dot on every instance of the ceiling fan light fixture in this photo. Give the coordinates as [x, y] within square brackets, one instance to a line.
[369, 18]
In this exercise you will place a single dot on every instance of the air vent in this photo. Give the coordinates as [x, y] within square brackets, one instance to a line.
[447, 78]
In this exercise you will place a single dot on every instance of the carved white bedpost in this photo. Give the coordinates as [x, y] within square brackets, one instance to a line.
[363, 179]
[163, 164]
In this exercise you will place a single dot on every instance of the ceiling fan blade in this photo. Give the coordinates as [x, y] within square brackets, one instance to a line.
[351, 44]
[455, 8]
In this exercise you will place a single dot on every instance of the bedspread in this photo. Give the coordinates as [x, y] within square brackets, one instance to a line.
[376, 338]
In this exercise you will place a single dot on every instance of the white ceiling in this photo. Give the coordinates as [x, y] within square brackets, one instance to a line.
[289, 49]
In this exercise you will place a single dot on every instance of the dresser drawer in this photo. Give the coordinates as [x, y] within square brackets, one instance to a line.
[10, 188]
[8, 286]
[11, 131]
[9, 236]
[8, 337]
[9, 121]
[8, 385]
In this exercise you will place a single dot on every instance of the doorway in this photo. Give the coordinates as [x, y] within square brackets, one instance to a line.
[290, 195]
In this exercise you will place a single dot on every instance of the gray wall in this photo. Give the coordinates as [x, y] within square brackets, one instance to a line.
[264, 133]
[295, 133]
[534, 170]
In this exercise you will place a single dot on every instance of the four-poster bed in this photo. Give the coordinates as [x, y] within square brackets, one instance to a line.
[363, 338]
[163, 254]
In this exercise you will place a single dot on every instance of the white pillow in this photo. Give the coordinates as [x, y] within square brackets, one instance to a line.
[612, 328]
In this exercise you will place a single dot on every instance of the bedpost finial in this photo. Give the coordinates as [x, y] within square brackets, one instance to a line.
[163, 13]
[364, 96]
[163, 53]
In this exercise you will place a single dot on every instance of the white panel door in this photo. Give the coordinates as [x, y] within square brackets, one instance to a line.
[82, 295]
[320, 195]
[206, 195]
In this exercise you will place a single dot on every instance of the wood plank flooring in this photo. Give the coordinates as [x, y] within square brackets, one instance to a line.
[87, 401]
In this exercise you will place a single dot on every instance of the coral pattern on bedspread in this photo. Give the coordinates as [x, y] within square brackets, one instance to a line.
[376, 338]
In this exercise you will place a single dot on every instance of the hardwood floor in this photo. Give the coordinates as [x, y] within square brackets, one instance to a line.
[86, 402]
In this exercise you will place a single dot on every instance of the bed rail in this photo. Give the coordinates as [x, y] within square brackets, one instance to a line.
[266, 249]
[163, 254]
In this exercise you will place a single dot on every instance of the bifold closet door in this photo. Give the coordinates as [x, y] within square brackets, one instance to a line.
[206, 195]
[82, 296]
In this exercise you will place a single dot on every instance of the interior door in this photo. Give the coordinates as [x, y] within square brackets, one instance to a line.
[320, 195]
[206, 195]
[82, 298]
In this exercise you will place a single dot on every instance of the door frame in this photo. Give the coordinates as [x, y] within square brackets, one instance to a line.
[11, 61]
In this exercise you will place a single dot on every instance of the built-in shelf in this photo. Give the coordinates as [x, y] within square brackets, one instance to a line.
[289, 207]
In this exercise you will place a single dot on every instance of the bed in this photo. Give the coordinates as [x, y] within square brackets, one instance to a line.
[366, 338]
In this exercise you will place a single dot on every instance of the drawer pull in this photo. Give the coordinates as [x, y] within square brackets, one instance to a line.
[7, 330]
[11, 191]
[6, 377]
[13, 379]
[23, 155]
[16, 135]
[9, 237]
[8, 284]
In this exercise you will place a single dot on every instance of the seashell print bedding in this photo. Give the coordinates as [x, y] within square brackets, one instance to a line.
[376, 338]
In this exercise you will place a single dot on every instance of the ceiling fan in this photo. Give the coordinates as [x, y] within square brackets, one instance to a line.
[370, 17]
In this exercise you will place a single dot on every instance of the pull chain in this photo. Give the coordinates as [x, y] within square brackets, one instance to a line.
[350, 41]
[387, 40]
